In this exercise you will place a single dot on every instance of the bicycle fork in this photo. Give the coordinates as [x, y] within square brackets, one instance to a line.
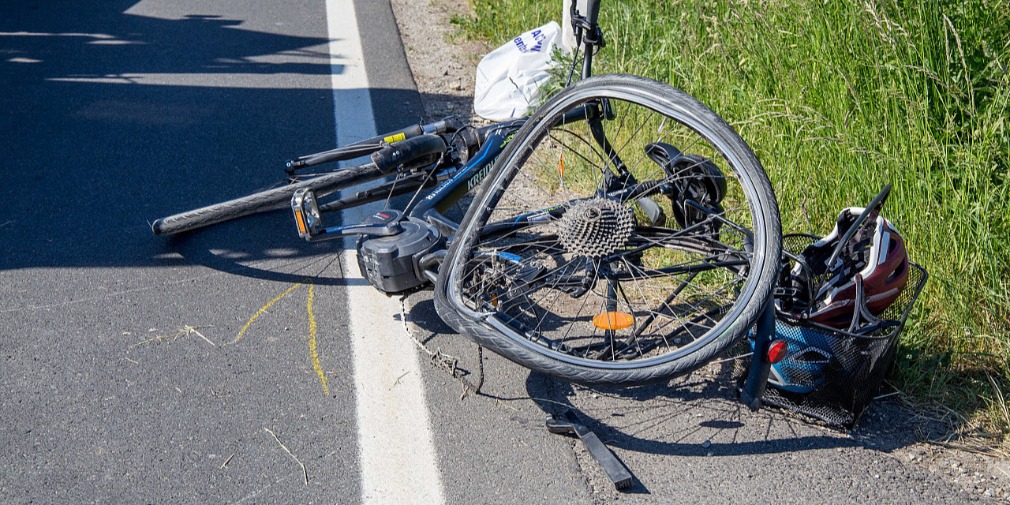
[767, 351]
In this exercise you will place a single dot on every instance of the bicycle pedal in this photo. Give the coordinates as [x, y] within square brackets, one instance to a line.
[306, 210]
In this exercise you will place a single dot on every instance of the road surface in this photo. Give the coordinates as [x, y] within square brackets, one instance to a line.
[239, 364]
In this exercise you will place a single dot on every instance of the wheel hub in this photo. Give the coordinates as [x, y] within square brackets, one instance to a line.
[596, 227]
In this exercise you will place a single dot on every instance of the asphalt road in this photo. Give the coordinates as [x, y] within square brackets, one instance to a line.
[143, 369]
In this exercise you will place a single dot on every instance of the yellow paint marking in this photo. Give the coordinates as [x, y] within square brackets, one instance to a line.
[313, 353]
[313, 329]
[262, 311]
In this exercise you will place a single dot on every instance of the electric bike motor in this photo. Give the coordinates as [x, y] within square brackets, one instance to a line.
[390, 263]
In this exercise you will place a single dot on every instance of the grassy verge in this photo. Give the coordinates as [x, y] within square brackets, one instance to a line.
[838, 99]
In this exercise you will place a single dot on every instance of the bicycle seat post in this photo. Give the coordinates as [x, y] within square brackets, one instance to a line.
[587, 32]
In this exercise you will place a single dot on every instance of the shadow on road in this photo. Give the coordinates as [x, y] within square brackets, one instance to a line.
[693, 416]
[115, 116]
[697, 415]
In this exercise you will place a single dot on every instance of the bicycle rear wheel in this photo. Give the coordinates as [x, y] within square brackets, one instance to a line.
[263, 201]
[565, 264]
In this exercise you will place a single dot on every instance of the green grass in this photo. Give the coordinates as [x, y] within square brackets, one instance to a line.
[839, 99]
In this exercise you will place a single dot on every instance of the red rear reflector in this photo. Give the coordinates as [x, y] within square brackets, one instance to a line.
[613, 320]
[777, 351]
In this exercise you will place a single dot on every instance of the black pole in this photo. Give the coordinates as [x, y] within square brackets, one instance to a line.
[757, 376]
[589, 37]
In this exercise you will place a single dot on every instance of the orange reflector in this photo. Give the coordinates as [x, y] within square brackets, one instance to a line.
[613, 320]
[561, 165]
[777, 351]
[300, 221]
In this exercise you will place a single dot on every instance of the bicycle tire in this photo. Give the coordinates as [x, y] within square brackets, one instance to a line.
[263, 201]
[513, 278]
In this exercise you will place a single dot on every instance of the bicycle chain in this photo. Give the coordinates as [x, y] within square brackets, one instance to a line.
[444, 361]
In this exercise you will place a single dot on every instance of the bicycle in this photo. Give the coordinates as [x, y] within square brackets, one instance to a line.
[623, 234]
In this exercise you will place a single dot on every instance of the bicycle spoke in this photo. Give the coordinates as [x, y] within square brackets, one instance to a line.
[572, 262]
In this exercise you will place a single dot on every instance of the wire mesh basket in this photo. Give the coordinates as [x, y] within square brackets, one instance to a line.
[840, 370]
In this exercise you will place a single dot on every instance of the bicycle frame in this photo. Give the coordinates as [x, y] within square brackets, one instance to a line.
[469, 175]
[450, 183]
[587, 32]
[451, 186]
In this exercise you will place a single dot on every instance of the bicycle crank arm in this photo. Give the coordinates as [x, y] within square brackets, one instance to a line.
[309, 221]
[615, 470]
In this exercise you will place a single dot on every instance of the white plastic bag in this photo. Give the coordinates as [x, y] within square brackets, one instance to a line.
[509, 78]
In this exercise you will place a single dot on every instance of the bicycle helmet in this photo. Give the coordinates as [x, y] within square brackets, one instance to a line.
[829, 273]
[806, 365]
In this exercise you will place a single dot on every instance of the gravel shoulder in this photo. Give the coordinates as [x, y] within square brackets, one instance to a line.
[442, 64]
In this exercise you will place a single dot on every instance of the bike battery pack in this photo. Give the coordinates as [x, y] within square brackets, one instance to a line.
[391, 263]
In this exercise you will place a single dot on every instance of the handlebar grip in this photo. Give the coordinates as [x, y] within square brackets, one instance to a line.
[392, 156]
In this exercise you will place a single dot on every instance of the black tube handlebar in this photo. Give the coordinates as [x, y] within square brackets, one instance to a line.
[394, 155]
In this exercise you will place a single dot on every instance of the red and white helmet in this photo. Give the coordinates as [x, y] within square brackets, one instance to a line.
[873, 255]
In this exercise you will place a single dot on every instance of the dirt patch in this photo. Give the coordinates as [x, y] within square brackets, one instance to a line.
[441, 61]
[904, 432]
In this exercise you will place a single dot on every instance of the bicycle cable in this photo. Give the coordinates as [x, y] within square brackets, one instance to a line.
[571, 70]
[431, 173]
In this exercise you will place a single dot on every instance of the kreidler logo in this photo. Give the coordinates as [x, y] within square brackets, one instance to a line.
[479, 176]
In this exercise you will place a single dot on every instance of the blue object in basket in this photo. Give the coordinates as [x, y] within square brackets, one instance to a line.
[807, 359]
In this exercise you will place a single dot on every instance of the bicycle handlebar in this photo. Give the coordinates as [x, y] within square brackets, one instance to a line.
[392, 156]
[371, 145]
[393, 149]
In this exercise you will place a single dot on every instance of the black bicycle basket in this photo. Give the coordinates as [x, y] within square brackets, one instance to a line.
[843, 376]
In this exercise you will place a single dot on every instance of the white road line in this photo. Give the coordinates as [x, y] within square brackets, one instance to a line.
[397, 450]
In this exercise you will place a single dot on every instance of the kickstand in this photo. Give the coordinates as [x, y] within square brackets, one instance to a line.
[615, 470]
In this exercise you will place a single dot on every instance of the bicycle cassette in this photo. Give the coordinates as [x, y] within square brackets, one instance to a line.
[596, 227]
